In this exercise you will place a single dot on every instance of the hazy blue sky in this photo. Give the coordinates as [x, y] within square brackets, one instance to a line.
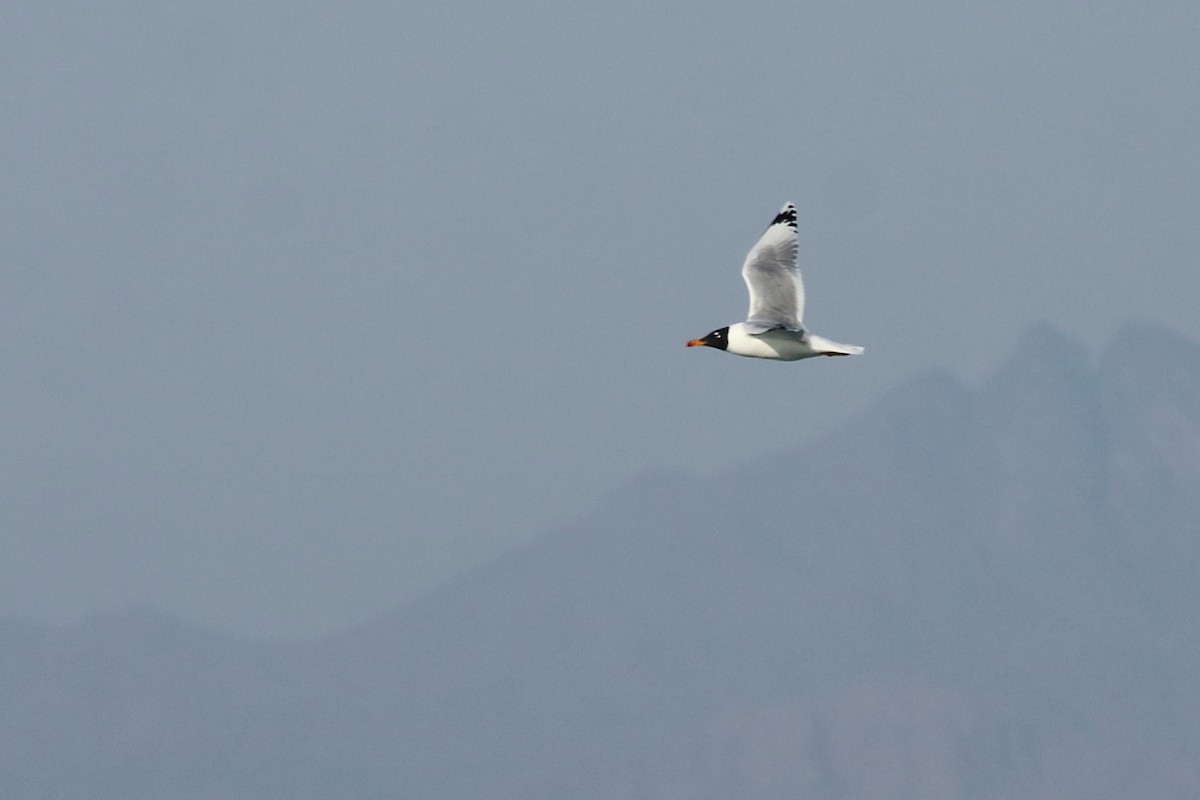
[306, 304]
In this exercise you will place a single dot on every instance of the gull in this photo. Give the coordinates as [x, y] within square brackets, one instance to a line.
[773, 328]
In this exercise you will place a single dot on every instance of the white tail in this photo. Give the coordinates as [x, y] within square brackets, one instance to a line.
[830, 348]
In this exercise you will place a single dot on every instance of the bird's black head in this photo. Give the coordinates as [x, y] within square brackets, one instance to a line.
[718, 339]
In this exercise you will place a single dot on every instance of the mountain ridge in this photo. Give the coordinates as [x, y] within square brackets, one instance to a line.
[969, 592]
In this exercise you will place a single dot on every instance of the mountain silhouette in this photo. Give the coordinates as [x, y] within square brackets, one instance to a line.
[968, 592]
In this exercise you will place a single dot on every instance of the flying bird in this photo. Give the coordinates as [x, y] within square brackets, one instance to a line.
[774, 327]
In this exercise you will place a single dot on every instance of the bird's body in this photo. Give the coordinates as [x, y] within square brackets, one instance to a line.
[774, 328]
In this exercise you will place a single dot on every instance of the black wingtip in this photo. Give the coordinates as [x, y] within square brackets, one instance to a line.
[787, 216]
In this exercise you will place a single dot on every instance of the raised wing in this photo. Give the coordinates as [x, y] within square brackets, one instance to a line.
[771, 275]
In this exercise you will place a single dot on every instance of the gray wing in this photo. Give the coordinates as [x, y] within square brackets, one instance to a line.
[771, 275]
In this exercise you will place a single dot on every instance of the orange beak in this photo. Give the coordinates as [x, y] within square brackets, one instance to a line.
[697, 343]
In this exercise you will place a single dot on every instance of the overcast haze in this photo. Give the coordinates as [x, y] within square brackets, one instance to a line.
[307, 305]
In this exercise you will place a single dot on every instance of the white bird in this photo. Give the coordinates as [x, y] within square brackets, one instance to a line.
[774, 327]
